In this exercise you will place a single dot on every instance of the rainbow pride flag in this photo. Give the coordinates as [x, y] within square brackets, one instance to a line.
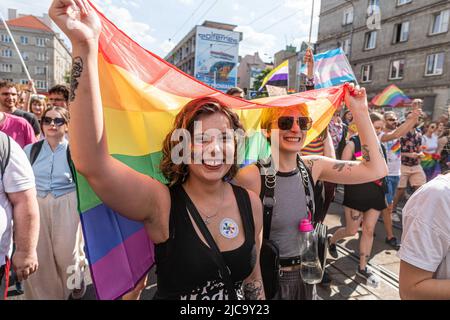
[141, 94]
[391, 96]
[396, 148]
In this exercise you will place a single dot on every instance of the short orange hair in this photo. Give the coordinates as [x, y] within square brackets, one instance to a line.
[269, 115]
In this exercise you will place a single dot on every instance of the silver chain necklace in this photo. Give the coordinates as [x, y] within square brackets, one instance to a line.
[209, 217]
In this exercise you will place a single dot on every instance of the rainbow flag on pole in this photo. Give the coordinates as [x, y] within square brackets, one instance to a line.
[278, 77]
[331, 68]
[141, 94]
[391, 96]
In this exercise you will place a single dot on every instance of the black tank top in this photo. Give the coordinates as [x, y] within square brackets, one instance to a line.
[184, 265]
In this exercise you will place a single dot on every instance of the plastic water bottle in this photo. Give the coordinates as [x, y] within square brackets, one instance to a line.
[310, 268]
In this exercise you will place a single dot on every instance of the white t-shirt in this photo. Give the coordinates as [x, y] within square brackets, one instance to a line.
[18, 177]
[426, 228]
[431, 143]
[394, 156]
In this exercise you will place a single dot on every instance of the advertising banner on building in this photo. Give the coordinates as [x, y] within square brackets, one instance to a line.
[216, 57]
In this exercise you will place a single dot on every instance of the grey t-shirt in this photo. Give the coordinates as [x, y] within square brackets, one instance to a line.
[289, 209]
[426, 228]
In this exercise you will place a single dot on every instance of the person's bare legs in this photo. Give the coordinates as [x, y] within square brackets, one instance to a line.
[366, 242]
[353, 220]
[387, 220]
[398, 196]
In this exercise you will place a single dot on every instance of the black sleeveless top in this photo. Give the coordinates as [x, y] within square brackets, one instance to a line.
[184, 265]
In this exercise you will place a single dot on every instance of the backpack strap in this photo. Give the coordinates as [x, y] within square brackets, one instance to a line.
[35, 150]
[267, 194]
[5, 151]
[308, 184]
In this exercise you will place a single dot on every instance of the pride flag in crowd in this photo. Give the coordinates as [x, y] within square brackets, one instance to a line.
[391, 96]
[141, 94]
[278, 77]
[331, 68]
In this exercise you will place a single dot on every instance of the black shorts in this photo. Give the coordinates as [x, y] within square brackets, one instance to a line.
[366, 196]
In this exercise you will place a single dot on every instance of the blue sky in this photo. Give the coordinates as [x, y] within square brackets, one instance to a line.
[267, 25]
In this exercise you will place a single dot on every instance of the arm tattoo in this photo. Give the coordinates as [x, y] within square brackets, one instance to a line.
[253, 290]
[77, 69]
[365, 152]
[339, 166]
[310, 162]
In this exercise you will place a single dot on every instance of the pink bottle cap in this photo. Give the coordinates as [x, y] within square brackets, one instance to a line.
[305, 226]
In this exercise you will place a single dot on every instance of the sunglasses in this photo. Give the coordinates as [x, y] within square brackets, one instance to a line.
[286, 123]
[57, 121]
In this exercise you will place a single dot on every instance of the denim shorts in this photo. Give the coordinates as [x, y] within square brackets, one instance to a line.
[392, 184]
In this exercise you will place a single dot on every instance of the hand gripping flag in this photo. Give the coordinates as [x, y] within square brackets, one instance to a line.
[141, 94]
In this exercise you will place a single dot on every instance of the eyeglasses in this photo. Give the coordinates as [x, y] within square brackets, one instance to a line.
[286, 123]
[57, 121]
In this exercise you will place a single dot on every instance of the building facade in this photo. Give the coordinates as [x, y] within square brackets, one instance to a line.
[210, 53]
[250, 67]
[401, 42]
[45, 54]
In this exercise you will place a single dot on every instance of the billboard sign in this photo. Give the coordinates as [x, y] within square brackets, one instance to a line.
[216, 57]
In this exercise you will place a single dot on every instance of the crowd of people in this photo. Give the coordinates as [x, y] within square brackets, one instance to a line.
[376, 157]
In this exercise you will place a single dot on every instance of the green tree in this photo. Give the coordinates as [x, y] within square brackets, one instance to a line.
[259, 80]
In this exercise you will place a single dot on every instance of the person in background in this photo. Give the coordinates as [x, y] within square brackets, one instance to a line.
[390, 137]
[60, 245]
[425, 251]
[430, 144]
[18, 208]
[8, 104]
[38, 106]
[58, 96]
[17, 128]
[235, 92]
[362, 204]
[348, 118]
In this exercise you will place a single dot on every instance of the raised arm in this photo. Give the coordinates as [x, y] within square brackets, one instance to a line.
[126, 191]
[372, 167]
[401, 131]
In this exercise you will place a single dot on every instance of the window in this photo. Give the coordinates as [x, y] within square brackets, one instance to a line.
[25, 56]
[40, 70]
[42, 85]
[346, 46]
[440, 22]
[401, 32]
[5, 67]
[435, 64]
[371, 40]
[6, 38]
[41, 56]
[23, 81]
[397, 70]
[40, 42]
[366, 73]
[374, 7]
[348, 16]
[23, 40]
[402, 2]
[7, 53]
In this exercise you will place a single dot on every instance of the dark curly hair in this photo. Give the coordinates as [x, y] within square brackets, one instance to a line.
[177, 173]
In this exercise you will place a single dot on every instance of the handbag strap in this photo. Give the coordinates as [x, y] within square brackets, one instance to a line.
[306, 179]
[224, 270]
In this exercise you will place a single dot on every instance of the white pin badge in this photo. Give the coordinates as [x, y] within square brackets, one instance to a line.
[229, 228]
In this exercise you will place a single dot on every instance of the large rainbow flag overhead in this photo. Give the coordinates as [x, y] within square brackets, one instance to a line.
[141, 94]
[391, 96]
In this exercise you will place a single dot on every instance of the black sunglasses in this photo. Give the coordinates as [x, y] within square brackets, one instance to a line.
[286, 123]
[58, 121]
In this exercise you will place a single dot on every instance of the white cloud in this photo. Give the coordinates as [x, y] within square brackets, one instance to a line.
[186, 2]
[138, 31]
[167, 46]
[256, 42]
